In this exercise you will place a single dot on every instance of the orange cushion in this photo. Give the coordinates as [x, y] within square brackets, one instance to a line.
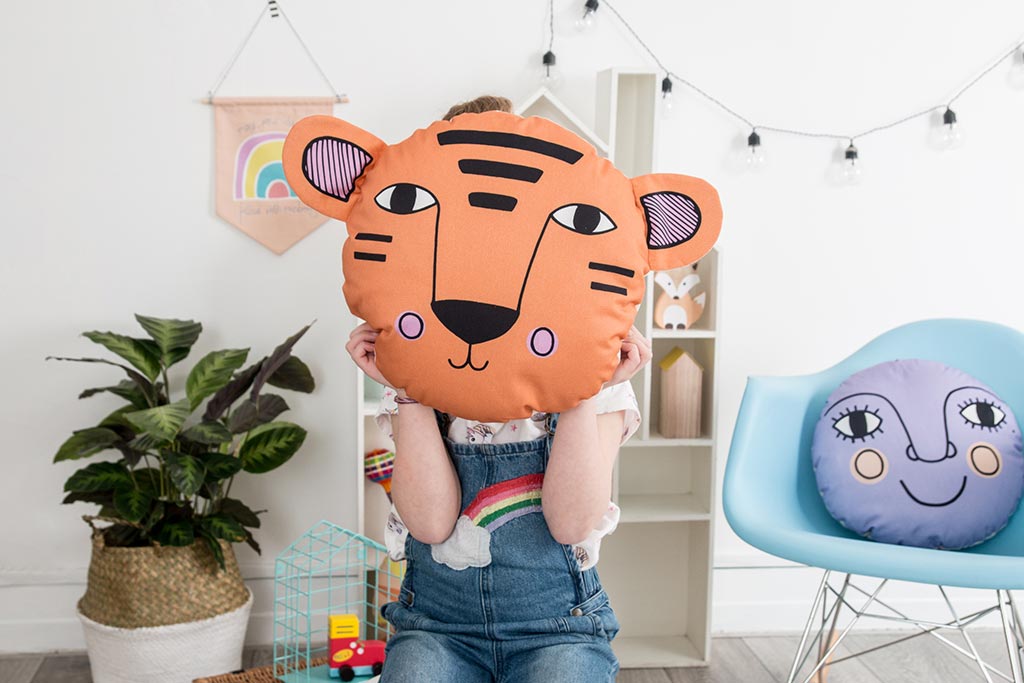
[501, 257]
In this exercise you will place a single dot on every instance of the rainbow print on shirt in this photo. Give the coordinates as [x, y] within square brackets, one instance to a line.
[493, 507]
[258, 170]
[499, 504]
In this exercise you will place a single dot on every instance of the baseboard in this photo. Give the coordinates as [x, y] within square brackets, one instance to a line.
[37, 609]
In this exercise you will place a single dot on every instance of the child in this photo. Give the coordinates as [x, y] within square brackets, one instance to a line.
[527, 606]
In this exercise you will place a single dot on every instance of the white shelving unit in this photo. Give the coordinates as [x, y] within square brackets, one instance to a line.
[657, 565]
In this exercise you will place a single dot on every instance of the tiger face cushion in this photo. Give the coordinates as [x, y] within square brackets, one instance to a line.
[501, 257]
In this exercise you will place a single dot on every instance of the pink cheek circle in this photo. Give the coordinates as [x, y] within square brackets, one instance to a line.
[985, 460]
[542, 342]
[869, 466]
[410, 325]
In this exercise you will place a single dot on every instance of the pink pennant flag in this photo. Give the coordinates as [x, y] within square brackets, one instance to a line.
[252, 192]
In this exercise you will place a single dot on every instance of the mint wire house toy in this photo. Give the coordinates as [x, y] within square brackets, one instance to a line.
[329, 586]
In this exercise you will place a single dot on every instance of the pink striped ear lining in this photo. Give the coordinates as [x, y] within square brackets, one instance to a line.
[332, 165]
[672, 219]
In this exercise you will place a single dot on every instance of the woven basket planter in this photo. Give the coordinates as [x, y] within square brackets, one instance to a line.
[163, 615]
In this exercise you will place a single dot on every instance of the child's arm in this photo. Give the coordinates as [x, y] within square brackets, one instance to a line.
[578, 479]
[424, 485]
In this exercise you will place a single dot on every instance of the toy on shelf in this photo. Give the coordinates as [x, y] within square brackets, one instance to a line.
[378, 465]
[349, 656]
[327, 572]
[682, 380]
[681, 301]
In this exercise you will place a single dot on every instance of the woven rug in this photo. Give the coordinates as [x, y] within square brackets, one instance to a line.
[262, 674]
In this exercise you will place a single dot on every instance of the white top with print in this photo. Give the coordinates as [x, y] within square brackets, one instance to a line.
[609, 400]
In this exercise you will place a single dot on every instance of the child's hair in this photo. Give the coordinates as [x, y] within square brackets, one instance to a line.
[480, 104]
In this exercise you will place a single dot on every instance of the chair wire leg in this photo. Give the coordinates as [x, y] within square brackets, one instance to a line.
[856, 617]
[1009, 632]
[966, 637]
[818, 598]
[1016, 620]
[825, 643]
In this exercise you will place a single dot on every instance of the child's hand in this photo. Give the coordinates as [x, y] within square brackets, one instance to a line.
[361, 347]
[636, 352]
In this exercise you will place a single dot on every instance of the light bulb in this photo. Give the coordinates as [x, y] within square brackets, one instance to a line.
[586, 20]
[852, 166]
[950, 134]
[755, 153]
[1016, 75]
[667, 101]
[550, 77]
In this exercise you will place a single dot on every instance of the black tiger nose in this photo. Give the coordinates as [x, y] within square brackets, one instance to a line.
[474, 322]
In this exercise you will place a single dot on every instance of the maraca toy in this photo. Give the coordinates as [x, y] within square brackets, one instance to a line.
[378, 465]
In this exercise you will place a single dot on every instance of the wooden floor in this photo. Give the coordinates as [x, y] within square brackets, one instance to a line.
[736, 660]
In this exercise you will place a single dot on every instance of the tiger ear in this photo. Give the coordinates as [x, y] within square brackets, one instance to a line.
[683, 216]
[324, 158]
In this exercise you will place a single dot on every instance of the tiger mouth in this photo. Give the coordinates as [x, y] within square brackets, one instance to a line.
[469, 361]
[952, 500]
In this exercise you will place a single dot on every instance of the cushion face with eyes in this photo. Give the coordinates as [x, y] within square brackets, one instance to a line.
[915, 452]
[501, 257]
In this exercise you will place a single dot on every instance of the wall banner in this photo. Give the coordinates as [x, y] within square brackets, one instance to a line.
[251, 191]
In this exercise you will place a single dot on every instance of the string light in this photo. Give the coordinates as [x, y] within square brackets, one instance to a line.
[1017, 70]
[949, 135]
[586, 21]
[666, 95]
[755, 153]
[550, 75]
[852, 165]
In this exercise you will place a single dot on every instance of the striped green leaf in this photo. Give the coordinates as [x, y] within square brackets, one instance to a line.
[271, 445]
[86, 442]
[222, 526]
[99, 476]
[142, 353]
[163, 422]
[220, 466]
[212, 372]
[186, 472]
[174, 338]
[132, 503]
[178, 533]
[208, 433]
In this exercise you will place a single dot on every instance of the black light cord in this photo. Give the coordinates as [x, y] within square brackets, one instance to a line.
[795, 131]
[551, 29]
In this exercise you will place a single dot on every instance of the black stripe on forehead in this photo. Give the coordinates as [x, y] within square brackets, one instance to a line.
[511, 140]
[499, 169]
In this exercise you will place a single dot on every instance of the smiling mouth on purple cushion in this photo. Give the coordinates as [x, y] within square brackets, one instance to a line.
[952, 500]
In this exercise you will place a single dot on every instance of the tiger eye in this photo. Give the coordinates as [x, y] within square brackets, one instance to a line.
[403, 198]
[586, 218]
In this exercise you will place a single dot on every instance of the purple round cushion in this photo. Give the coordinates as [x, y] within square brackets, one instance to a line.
[918, 453]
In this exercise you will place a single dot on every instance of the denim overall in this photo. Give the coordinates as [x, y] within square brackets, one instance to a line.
[529, 614]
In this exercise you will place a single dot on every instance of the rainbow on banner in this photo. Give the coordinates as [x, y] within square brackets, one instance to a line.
[258, 170]
[499, 504]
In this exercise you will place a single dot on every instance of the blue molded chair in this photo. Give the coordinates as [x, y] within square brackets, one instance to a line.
[772, 502]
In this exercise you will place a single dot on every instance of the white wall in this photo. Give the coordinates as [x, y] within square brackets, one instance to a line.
[109, 212]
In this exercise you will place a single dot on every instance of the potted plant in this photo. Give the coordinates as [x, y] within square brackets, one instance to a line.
[165, 600]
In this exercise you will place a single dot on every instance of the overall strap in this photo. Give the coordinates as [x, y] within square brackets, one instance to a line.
[551, 423]
[443, 421]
